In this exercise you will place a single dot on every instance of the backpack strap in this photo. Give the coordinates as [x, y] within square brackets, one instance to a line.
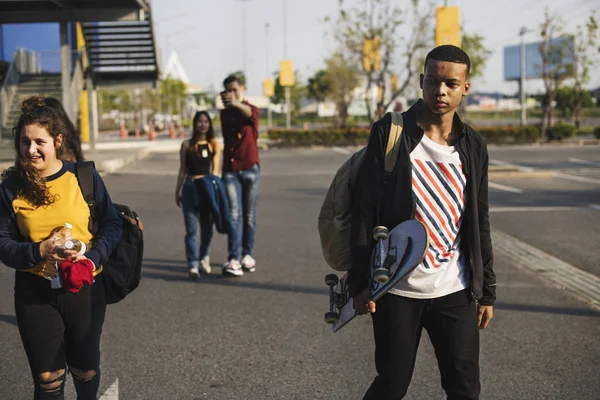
[393, 143]
[84, 171]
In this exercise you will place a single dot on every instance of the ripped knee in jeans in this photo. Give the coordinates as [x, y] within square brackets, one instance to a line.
[50, 384]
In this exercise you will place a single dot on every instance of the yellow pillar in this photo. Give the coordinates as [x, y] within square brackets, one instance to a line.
[84, 117]
[83, 97]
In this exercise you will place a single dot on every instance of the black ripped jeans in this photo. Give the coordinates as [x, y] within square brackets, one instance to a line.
[59, 329]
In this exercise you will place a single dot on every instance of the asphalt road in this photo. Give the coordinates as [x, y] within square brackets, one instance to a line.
[262, 336]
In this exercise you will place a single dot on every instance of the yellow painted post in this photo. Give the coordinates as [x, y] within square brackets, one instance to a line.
[393, 83]
[84, 117]
[447, 25]
[372, 54]
[286, 73]
[84, 124]
[268, 87]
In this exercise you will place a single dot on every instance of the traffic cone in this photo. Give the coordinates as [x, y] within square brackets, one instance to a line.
[123, 132]
[172, 132]
[181, 132]
[151, 135]
[137, 132]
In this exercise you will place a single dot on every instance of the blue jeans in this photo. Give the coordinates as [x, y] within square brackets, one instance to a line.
[242, 191]
[196, 211]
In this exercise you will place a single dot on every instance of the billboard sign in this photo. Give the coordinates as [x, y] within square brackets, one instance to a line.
[533, 58]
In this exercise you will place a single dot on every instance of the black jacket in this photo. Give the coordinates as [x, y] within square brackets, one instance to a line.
[372, 207]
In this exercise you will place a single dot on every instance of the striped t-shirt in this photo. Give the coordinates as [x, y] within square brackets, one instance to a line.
[438, 186]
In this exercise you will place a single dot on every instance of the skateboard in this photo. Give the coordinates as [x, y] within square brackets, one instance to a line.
[395, 255]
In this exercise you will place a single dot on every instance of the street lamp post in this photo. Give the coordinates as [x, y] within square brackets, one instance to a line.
[522, 33]
[267, 25]
[244, 35]
[288, 117]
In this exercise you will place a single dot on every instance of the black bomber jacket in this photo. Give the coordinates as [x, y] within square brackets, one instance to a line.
[372, 207]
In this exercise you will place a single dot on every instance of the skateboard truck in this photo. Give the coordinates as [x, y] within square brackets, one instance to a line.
[332, 315]
[381, 274]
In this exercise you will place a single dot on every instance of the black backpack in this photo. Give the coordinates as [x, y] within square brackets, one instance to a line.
[123, 270]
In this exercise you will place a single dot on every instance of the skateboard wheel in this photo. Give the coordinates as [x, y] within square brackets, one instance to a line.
[331, 317]
[381, 275]
[331, 280]
[380, 233]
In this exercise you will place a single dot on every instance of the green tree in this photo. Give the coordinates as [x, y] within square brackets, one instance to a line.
[319, 86]
[585, 55]
[172, 95]
[569, 98]
[343, 77]
[473, 45]
[555, 70]
[381, 20]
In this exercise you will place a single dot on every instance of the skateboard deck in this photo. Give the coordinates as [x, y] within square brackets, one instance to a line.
[396, 254]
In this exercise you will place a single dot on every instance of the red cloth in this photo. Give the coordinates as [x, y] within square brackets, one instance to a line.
[75, 274]
[240, 135]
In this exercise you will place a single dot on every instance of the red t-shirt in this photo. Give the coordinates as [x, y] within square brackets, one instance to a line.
[240, 136]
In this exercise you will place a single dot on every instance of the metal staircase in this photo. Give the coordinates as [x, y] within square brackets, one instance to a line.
[122, 53]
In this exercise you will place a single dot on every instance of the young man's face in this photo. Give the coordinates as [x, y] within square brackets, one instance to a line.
[236, 89]
[444, 84]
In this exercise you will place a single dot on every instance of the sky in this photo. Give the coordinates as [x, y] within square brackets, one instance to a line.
[208, 35]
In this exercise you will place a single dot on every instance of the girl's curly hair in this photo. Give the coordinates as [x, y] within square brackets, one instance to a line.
[31, 186]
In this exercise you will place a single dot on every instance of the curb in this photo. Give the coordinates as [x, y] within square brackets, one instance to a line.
[116, 164]
[582, 284]
[519, 174]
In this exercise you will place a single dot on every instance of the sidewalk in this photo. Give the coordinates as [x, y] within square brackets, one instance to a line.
[111, 156]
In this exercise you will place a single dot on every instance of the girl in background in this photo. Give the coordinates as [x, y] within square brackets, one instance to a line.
[199, 157]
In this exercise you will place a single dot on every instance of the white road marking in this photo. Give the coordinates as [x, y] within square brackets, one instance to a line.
[503, 187]
[340, 150]
[506, 164]
[533, 209]
[584, 162]
[112, 393]
[548, 267]
[578, 178]
[595, 206]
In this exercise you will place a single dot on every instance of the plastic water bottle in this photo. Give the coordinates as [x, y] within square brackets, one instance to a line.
[74, 244]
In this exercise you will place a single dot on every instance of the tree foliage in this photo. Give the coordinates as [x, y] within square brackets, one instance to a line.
[381, 20]
[585, 55]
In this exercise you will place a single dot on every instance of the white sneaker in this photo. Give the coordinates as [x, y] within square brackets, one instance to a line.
[205, 265]
[248, 263]
[232, 268]
[193, 272]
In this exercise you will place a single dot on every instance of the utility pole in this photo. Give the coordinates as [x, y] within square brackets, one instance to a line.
[244, 64]
[522, 90]
[267, 25]
[288, 117]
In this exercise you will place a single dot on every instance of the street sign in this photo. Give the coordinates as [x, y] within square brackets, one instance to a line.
[447, 26]
[286, 73]
[268, 87]
[372, 54]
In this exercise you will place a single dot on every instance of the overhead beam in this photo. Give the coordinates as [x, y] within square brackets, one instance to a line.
[59, 3]
[69, 15]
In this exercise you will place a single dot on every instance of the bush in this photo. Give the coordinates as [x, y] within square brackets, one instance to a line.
[597, 133]
[353, 136]
[509, 134]
[561, 131]
[322, 137]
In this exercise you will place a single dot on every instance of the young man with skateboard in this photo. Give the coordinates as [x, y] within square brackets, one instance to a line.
[241, 174]
[440, 179]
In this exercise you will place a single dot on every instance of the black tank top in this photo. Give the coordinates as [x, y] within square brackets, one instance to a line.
[199, 160]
